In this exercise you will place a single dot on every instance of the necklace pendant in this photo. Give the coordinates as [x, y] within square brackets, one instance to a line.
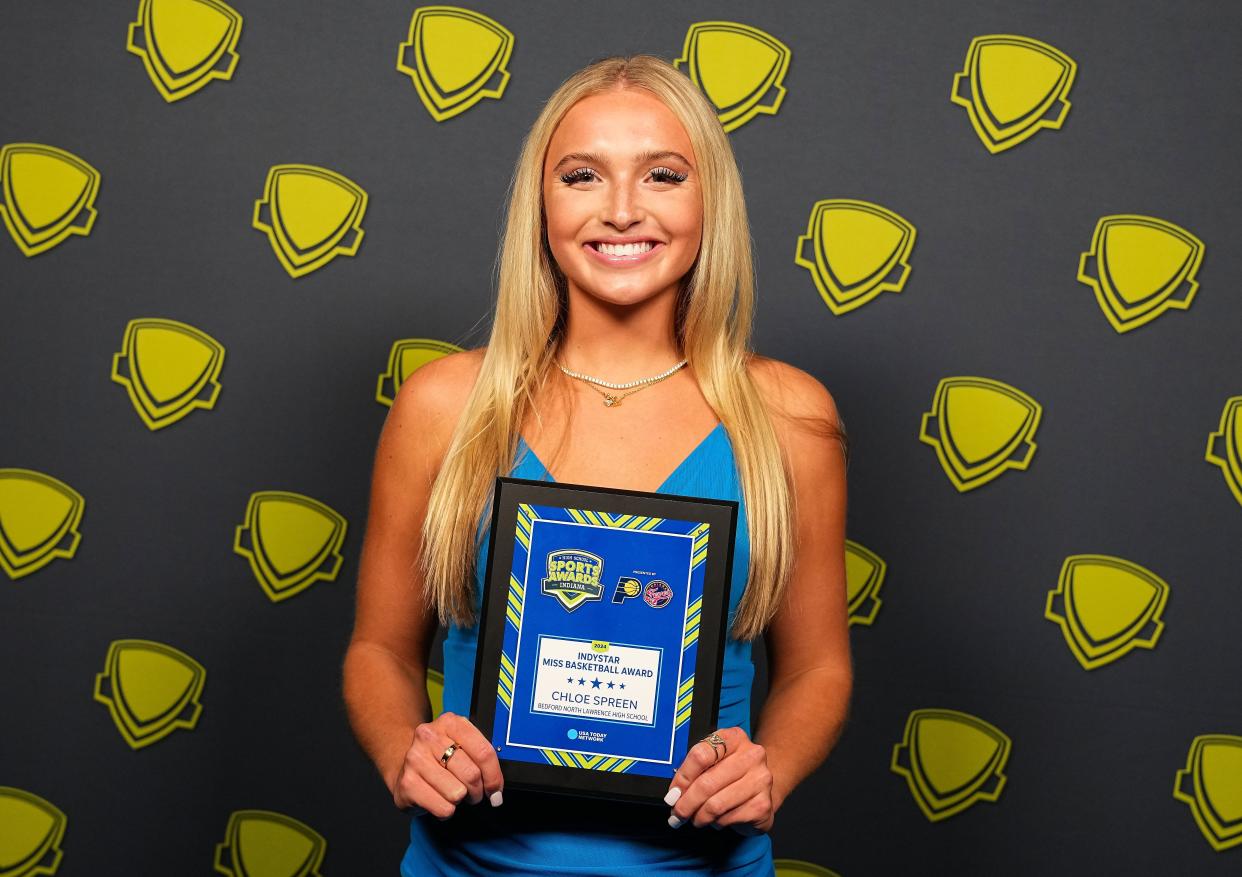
[610, 400]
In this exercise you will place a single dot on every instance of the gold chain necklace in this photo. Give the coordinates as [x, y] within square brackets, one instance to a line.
[611, 399]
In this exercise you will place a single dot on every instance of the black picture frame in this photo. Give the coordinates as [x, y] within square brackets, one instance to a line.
[510, 492]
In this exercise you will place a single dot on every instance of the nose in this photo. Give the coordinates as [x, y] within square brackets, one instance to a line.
[622, 205]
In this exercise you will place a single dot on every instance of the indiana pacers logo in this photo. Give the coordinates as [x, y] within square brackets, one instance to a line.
[573, 577]
[627, 587]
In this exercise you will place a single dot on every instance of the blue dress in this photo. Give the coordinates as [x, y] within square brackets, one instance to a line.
[533, 833]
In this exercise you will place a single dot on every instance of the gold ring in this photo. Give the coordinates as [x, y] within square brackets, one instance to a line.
[717, 741]
[448, 753]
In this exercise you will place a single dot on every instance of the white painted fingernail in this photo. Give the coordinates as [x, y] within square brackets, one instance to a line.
[673, 794]
[674, 820]
[496, 798]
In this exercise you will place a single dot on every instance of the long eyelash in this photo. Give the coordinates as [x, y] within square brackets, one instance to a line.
[661, 174]
[669, 175]
[575, 175]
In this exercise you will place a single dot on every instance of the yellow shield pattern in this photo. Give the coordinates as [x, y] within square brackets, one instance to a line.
[185, 44]
[151, 689]
[980, 428]
[307, 213]
[33, 830]
[168, 368]
[1106, 607]
[864, 576]
[1143, 266]
[261, 843]
[858, 250]
[406, 357]
[291, 541]
[455, 57]
[1224, 447]
[39, 519]
[951, 760]
[738, 67]
[1211, 784]
[1012, 87]
[49, 194]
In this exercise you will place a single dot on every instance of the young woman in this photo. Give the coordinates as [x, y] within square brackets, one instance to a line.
[625, 261]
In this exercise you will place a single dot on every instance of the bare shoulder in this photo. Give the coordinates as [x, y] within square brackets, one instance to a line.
[428, 405]
[795, 394]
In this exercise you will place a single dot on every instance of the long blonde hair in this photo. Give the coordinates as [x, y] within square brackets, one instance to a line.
[712, 322]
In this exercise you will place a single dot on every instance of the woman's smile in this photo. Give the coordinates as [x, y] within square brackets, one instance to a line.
[623, 255]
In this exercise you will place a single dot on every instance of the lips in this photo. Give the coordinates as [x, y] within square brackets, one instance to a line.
[625, 260]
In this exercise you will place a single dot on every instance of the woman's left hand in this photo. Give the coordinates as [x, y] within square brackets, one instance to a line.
[733, 788]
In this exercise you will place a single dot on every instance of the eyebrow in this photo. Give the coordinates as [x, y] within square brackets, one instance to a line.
[641, 158]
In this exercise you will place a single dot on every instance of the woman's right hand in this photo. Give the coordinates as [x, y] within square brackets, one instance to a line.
[473, 768]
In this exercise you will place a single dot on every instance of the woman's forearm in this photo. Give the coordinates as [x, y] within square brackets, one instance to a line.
[385, 700]
[801, 720]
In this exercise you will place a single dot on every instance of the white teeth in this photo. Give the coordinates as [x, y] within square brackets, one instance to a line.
[624, 249]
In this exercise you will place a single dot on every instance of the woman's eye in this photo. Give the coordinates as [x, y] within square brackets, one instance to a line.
[664, 175]
[579, 175]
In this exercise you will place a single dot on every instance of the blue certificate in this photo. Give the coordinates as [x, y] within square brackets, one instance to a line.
[601, 639]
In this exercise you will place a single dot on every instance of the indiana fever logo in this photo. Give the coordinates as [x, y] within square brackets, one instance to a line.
[573, 577]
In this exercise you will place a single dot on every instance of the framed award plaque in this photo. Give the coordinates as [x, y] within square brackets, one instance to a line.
[601, 638]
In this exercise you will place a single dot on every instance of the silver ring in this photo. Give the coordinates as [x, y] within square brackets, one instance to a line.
[717, 741]
[448, 753]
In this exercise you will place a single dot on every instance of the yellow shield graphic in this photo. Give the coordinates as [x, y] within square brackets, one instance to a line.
[1211, 784]
[1143, 266]
[1106, 607]
[1011, 87]
[980, 428]
[455, 57]
[798, 868]
[950, 760]
[168, 369]
[738, 67]
[1224, 448]
[864, 575]
[48, 195]
[150, 689]
[33, 830]
[260, 843]
[307, 213]
[406, 357]
[185, 44]
[291, 541]
[858, 250]
[39, 518]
